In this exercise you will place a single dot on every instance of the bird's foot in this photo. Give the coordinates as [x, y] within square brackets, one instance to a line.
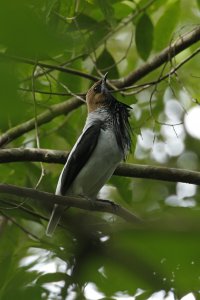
[91, 201]
[113, 204]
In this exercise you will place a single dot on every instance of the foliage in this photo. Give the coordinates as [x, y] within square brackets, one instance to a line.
[96, 251]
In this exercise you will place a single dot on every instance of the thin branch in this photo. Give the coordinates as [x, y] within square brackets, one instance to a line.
[127, 170]
[43, 72]
[67, 89]
[36, 126]
[45, 117]
[28, 211]
[35, 237]
[50, 67]
[182, 43]
[100, 205]
[50, 93]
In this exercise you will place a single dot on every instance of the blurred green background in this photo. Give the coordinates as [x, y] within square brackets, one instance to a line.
[96, 255]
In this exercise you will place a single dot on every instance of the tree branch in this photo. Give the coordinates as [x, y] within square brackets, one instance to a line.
[33, 154]
[126, 170]
[99, 205]
[143, 86]
[166, 55]
[158, 173]
[45, 117]
[50, 67]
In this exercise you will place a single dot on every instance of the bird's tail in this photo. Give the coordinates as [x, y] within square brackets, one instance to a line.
[54, 220]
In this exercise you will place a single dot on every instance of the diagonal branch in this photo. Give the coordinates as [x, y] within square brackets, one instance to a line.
[166, 55]
[47, 198]
[50, 67]
[127, 170]
[143, 86]
[45, 117]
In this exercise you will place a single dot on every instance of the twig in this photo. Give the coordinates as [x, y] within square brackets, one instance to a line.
[101, 205]
[127, 170]
[50, 93]
[67, 89]
[20, 226]
[36, 127]
[51, 67]
[28, 211]
[46, 71]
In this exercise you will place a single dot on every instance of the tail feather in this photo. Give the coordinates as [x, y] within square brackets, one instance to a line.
[54, 220]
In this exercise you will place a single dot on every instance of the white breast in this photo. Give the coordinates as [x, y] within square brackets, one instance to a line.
[99, 168]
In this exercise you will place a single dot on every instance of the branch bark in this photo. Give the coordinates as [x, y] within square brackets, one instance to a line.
[126, 170]
[45, 117]
[99, 205]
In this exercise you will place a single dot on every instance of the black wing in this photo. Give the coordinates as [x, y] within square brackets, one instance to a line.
[80, 156]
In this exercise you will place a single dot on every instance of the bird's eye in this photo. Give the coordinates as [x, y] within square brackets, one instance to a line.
[97, 88]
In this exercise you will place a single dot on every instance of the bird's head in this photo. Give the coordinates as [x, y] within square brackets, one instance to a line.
[97, 95]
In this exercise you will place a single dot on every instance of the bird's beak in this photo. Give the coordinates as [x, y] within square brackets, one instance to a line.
[103, 84]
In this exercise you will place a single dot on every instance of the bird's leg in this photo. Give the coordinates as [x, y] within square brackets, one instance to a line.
[92, 202]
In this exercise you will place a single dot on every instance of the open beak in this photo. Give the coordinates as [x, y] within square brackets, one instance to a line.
[103, 84]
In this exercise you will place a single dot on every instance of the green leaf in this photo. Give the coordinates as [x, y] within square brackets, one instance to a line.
[144, 36]
[198, 3]
[52, 277]
[122, 9]
[85, 23]
[97, 35]
[107, 10]
[165, 26]
[106, 62]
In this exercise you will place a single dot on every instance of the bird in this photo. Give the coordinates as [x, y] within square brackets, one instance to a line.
[104, 142]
